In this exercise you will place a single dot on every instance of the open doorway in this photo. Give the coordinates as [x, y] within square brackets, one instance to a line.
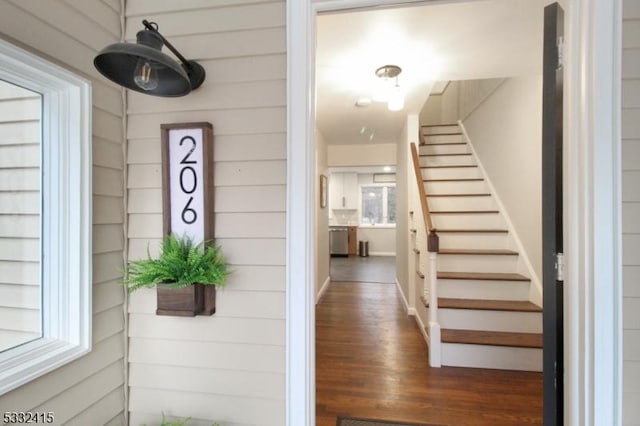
[362, 223]
[348, 127]
[596, 49]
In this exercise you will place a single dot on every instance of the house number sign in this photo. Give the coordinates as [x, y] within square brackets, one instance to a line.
[187, 151]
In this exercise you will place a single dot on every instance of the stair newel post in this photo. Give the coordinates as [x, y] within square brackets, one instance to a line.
[433, 246]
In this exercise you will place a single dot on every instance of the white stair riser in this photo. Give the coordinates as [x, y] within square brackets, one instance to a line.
[474, 319]
[477, 263]
[461, 187]
[443, 128]
[461, 203]
[484, 289]
[474, 221]
[452, 173]
[447, 160]
[444, 138]
[473, 241]
[495, 357]
[444, 149]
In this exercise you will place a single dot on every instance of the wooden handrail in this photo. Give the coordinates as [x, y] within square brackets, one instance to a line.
[423, 194]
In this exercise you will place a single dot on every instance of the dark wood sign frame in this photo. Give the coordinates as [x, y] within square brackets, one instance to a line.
[201, 300]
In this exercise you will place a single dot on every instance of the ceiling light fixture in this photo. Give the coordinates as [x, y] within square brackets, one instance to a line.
[363, 102]
[388, 89]
[144, 68]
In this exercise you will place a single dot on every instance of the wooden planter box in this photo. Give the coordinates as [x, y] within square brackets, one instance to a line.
[189, 301]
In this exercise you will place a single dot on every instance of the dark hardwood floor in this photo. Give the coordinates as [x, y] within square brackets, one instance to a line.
[371, 362]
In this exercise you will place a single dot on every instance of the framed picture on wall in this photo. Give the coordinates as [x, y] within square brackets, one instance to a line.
[323, 191]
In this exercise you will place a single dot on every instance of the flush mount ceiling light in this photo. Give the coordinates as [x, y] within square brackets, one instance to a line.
[143, 67]
[388, 89]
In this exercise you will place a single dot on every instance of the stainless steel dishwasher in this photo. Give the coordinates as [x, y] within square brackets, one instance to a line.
[339, 241]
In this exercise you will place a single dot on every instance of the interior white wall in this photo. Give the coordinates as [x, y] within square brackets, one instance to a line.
[362, 155]
[449, 108]
[431, 111]
[505, 131]
[322, 217]
[473, 92]
[404, 172]
[382, 241]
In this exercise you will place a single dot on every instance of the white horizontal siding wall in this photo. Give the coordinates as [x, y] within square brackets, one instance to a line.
[19, 216]
[89, 391]
[631, 210]
[229, 367]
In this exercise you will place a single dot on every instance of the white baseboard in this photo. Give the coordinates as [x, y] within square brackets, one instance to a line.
[422, 328]
[323, 289]
[404, 299]
[381, 253]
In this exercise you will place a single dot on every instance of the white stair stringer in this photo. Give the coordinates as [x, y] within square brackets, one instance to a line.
[475, 240]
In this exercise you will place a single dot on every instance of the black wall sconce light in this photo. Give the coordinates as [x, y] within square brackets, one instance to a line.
[144, 68]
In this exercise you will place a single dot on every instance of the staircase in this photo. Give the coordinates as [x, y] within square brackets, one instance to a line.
[483, 292]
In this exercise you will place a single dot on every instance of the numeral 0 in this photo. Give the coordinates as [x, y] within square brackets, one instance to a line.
[194, 180]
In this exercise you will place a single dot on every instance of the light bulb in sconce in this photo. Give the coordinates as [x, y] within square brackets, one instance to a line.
[396, 99]
[145, 75]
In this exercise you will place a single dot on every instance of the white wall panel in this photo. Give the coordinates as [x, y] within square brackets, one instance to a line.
[225, 122]
[225, 329]
[37, 395]
[137, 7]
[205, 407]
[631, 210]
[268, 198]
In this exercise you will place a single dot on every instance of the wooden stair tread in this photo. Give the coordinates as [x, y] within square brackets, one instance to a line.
[446, 155]
[472, 231]
[439, 125]
[459, 195]
[442, 134]
[466, 212]
[441, 143]
[488, 305]
[493, 338]
[492, 276]
[478, 252]
[450, 167]
[454, 180]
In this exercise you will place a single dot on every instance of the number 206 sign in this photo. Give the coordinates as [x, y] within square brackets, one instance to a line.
[187, 160]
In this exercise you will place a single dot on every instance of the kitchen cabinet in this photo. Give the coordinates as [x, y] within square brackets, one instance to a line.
[343, 191]
[353, 240]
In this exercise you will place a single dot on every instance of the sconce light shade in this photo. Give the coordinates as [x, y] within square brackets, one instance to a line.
[143, 67]
[388, 89]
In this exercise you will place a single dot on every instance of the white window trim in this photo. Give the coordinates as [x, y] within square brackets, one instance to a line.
[66, 241]
[384, 206]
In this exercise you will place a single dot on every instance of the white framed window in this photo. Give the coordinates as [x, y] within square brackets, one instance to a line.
[58, 226]
[378, 205]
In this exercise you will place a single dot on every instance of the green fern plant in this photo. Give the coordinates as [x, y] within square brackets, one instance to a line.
[181, 263]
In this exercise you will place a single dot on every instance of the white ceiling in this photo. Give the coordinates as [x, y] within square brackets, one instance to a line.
[437, 42]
